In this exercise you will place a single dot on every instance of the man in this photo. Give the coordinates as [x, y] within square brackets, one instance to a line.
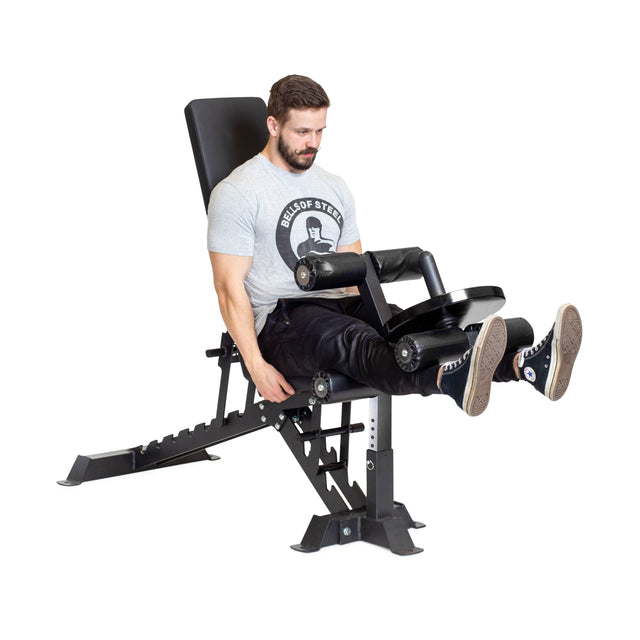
[262, 213]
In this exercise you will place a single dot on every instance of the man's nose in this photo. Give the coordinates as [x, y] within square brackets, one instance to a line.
[313, 141]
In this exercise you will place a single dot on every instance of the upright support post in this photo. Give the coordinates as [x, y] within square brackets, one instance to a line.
[380, 520]
[380, 459]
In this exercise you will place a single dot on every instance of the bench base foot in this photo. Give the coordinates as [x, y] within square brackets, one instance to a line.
[353, 526]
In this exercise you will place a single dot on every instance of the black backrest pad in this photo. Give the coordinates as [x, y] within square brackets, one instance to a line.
[225, 132]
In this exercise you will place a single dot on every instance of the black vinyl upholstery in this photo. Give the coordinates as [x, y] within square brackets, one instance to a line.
[225, 132]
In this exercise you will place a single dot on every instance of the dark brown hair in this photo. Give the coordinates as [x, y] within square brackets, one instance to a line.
[295, 92]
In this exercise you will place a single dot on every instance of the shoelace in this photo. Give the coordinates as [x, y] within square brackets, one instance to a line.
[531, 350]
[456, 363]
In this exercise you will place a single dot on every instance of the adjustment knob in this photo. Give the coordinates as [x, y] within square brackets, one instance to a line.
[303, 276]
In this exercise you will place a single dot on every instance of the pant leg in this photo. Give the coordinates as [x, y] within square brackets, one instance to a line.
[504, 371]
[303, 336]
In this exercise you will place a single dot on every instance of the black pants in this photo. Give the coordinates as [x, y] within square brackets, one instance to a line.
[302, 336]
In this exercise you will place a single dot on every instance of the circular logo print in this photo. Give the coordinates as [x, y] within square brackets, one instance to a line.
[308, 226]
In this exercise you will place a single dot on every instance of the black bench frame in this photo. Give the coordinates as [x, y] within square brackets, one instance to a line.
[353, 515]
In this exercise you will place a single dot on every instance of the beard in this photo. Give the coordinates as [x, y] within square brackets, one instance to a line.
[295, 158]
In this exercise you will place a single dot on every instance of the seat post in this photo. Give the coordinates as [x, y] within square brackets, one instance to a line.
[380, 502]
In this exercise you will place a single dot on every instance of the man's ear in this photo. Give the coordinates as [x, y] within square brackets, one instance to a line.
[273, 126]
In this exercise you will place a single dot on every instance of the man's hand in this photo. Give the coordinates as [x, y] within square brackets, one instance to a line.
[270, 383]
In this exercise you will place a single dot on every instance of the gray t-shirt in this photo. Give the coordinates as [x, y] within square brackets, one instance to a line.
[277, 217]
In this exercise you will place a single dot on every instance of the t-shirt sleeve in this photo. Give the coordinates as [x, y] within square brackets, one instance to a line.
[231, 221]
[350, 233]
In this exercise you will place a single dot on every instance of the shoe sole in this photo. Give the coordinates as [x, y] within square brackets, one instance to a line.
[485, 357]
[567, 337]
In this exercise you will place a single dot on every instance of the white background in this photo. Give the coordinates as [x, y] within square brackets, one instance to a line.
[501, 136]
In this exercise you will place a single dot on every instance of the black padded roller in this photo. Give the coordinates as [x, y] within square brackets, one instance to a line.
[519, 334]
[420, 350]
[395, 265]
[314, 273]
[330, 387]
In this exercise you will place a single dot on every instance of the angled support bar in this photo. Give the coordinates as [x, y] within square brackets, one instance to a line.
[187, 446]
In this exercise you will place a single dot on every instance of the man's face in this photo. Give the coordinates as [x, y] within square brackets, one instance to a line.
[314, 233]
[299, 137]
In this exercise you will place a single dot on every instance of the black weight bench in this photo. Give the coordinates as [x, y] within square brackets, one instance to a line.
[224, 133]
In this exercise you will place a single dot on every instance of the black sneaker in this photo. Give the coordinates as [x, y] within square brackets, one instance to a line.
[548, 365]
[468, 380]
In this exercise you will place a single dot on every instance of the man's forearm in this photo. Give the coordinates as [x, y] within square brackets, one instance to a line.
[238, 318]
[229, 273]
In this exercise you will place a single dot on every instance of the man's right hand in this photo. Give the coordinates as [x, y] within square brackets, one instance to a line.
[270, 383]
